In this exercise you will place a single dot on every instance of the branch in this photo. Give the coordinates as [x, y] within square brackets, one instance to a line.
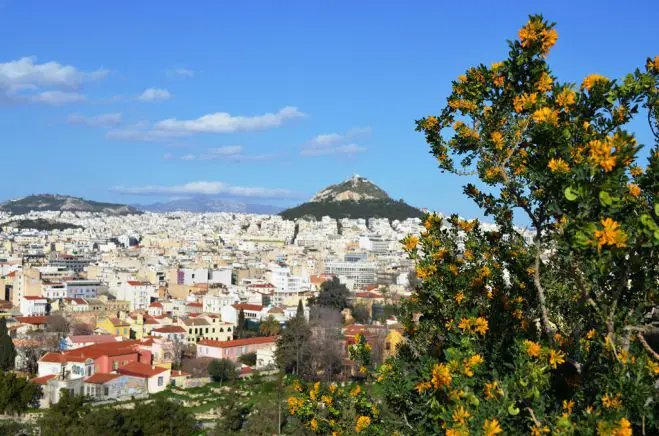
[535, 420]
[647, 346]
[540, 290]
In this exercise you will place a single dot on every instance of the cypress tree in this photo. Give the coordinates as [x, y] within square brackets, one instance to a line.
[7, 349]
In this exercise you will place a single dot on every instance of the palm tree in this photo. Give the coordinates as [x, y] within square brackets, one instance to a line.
[269, 326]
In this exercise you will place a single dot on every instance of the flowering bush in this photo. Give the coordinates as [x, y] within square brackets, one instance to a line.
[507, 335]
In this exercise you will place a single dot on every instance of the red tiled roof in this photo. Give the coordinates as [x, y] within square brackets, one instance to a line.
[51, 357]
[156, 304]
[94, 351]
[169, 329]
[33, 298]
[139, 369]
[43, 379]
[254, 307]
[176, 373]
[80, 301]
[96, 339]
[36, 320]
[137, 283]
[100, 378]
[238, 342]
[368, 295]
[195, 305]
[117, 322]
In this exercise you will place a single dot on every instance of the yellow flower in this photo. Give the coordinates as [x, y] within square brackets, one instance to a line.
[480, 325]
[410, 243]
[462, 78]
[423, 386]
[532, 349]
[355, 391]
[539, 431]
[612, 402]
[636, 171]
[568, 405]
[624, 428]
[517, 314]
[454, 269]
[297, 386]
[362, 423]
[591, 334]
[653, 64]
[556, 358]
[565, 98]
[653, 367]
[441, 376]
[497, 140]
[485, 271]
[545, 83]
[610, 234]
[459, 297]
[332, 388]
[314, 424]
[327, 399]
[593, 79]
[550, 36]
[634, 189]
[545, 115]
[456, 395]
[463, 105]
[465, 324]
[460, 415]
[492, 390]
[293, 404]
[430, 122]
[495, 66]
[601, 154]
[491, 427]
[525, 101]
[476, 359]
[558, 166]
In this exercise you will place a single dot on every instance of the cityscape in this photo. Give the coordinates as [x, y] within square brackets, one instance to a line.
[329, 219]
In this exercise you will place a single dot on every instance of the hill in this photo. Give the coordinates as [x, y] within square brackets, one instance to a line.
[63, 203]
[40, 224]
[356, 197]
[203, 204]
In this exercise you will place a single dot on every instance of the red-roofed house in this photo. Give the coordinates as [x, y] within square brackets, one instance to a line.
[157, 378]
[104, 386]
[230, 313]
[155, 309]
[33, 306]
[171, 332]
[73, 342]
[234, 349]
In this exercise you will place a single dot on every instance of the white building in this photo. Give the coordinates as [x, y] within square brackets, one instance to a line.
[82, 288]
[138, 294]
[362, 273]
[251, 311]
[215, 303]
[287, 286]
[33, 306]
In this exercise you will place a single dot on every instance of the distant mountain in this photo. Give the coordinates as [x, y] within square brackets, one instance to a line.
[205, 204]
[63, 203]
[357, 197]
[40, 224]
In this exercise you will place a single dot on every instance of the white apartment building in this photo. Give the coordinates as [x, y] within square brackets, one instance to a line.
[138, 294]
[193, 276]
[215, 303]
[33, 306]
[53, 291]
[287, 286]
[82, 288]
[362, 273]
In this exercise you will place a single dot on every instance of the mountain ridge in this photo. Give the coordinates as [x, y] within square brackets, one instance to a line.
[63, 203]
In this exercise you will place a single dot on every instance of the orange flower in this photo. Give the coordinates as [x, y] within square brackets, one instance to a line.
[593, 79]
[624, 428]
[539, 431]
[462, 78]
[430, 122]
[556, 358]
[362, 423]
[568, 405]
[636, 171]
[314, 424]
[423, 386]
[497, 140]
[610, 234]
[441, 376]
[565, 98]
[480, 325]
[532, 349]
[459, 297]
[612, 402]
[634, 189]
[591, 334]
[492, 390]
[410, 243]
[558, 166]
[525, 101]
[464, 324]
[601, 154]
[491, 427]
[454, 269]
[460, 415]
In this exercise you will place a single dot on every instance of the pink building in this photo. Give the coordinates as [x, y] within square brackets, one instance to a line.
[234, 349]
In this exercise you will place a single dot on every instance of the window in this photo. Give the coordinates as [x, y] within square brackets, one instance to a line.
[387, 346]
[221, 330]
[106, 390]
[115, 365]
[161, 380]
[89, 371]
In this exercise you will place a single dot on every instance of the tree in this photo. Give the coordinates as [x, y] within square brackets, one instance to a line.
[234, 416]
[248, 359]
[332, 293]
[291, 350]
[81, 329]
[222, 370]
[361, 314]
[17, 394]
[540, 332]
[7, 349]
[241, 325]
[58, 324]
[269, 326]
[300, 309]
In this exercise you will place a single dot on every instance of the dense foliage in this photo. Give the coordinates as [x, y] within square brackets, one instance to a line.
[7, 348]
[511, 336]
[333, 294]
[392, 209]
[222, 370]
[41, 224]
[71, 416]
[17, 394]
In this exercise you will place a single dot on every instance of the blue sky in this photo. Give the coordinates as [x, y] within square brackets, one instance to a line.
[261, 100]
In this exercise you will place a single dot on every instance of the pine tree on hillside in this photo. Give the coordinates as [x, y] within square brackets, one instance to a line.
[7, 349]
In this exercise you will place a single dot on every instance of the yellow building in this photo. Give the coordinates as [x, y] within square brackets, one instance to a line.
[207, 327]
[394, 337]
[115, 326]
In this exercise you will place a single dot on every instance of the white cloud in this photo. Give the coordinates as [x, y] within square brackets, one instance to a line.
[204, 188]
[186, 157]
[141, 132]
[227, 150]
[223, 122]
[57, 98]
[335, 143]
[180, 72]
[155, 94]
[26, 72]
[103, 121]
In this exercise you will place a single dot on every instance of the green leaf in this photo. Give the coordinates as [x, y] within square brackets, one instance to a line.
[605, 198]
[656, 208]
[570, 193]
[512, 409]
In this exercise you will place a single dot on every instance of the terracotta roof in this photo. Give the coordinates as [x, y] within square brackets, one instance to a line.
[368, 295]
[80, 301]
[254, 307]
[94, 351]
[176, 373]
[238, 342]
[33, 298]
[43, 379]
[156, 304]
[196, 322]
[100, 378]
[137, 283]
[169, 329]
[51, 357]
[195, 305]
[117, 322]
[36, 320]
[139, 369]
[96, 339]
